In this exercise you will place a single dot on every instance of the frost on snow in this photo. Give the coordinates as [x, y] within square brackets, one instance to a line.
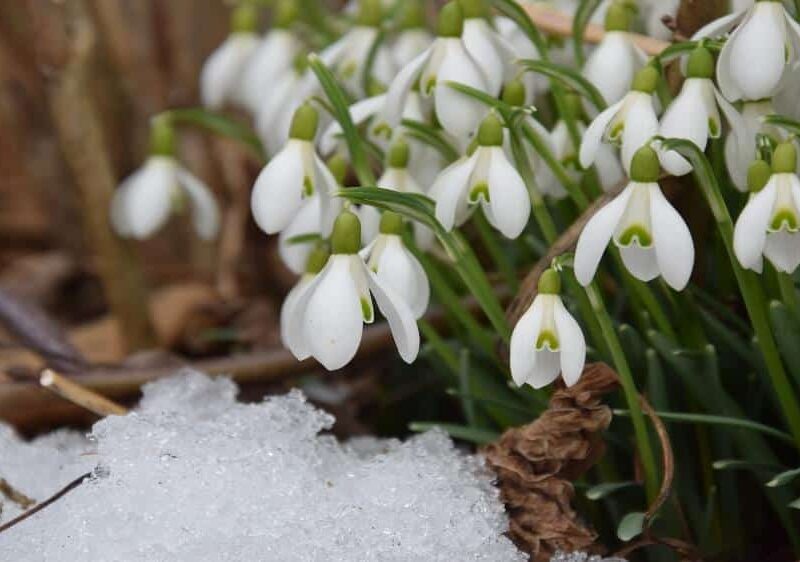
[194, 475]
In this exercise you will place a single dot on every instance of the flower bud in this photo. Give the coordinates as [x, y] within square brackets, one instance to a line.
[574, 105]
[162, 137]
[514, 93]
[317, 258]
[490, 132]
[646, 80]
[338, 165]
[304, 123]
[701, 64]
[399, 154]
[473, 8]
[451, 20]
[550, 283]
[286, 14]
[784, 159]
[645, 167]
[244, 18]
[346, 237]
[413, 16]
[370, 13]
[391, 223]
[758, 175]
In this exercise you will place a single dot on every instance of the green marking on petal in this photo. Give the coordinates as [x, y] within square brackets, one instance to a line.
[478, 192]
[616, 131]
[636, 234]
[367, 311]
[308, 187]
[430, 85]
[713, 127]
[547, 339]
[348, 70]
[784, 219]
[382, 129]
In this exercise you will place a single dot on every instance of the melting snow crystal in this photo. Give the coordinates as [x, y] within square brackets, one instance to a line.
[193, 475]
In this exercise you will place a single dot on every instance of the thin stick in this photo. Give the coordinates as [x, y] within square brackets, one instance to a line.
[555, 22]
[79, 395]
[64, 491]
[15, 495]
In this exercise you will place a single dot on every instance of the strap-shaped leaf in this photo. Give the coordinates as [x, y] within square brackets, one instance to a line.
[569, 77]
[218, 124]
[432, 137]
[583, 15]
[514, 11]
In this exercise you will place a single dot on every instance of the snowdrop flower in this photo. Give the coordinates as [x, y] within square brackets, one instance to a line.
[613, 65]
[492, 53]
[631, 122]
[652, 237]
[221, 77]
[754, 59]
[348, 55]
[274, 57]
[534, 83]
[315, 260]
[293, 175]
[413, 38]
[146, 199]
[328, 317]
[770, 223]
[486, 178]
[396, 267]
[694, 114]
[547, 340]
[444, 61]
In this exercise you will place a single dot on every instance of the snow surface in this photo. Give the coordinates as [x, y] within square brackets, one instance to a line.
[194, 475]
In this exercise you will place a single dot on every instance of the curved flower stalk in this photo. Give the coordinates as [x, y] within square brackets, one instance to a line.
[295, 174]
[397, 178]
[396, 267]
[616, 60]
[328, 316]
[494, 55]
[753, 61]
[486, 178]
[223, 71]
[348, 56]
[695, 114]
[274, 58]
[445, 61]
[652, 237]
[145, 200]
[769, 225]
[547, 340]
[413, 38]
[631, 123]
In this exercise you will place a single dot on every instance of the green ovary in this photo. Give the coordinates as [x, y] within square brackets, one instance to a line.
[784, 219]
[635, 234]
[547, 339]
[713, 128]
[366, 310]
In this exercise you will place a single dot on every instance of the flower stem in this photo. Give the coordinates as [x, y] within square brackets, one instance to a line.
[789, 291]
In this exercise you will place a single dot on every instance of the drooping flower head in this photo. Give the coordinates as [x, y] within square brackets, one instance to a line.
[329, 315]
[547, 340]
[295, 174]
[651, 236]
[487, 179]
[770, 222]
[145, 200]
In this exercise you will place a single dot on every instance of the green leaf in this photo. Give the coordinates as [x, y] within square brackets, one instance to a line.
[422, 209]
[795, 504]
[631, 526]
[304, 238]
[583, 16]
[787, 334]
[602, 491]
[464, 384]
[366, 76]
[791, 125]
[491, 101]
[736, 464]
[432, 137]
[514, 11]
[569, 77]
[218, 124]
[784, 478]
[478, 436]
[341, 112]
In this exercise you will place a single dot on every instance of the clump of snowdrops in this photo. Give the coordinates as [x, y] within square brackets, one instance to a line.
[415, 157]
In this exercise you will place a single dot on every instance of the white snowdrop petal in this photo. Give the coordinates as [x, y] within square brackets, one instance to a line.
[673, 242]
[612, 66]
[360, 112]
[642, 263]
[782, 249]
[273, 57]
[478, 41]
[572, 344]
[597, 234]
[523, 343]
[450, 191]
[370, 223]
[306, 221]
[291, 324]
[401, 320]
[719, 26]
[278, 191]
[641, 125]
[459, 114]
[508, 196]
[686, 118]
[409, 45]
[148, 197]
[332, 319]
[395, 269]
[119, 219]
[595, 133]
[422, 291]
[750, 232]
[205, 211]
[609, 167]
[222, 71]
[757, 55]
[547, 366]
[401, 86]
[725, 79]
[326, 187]
[738, 127]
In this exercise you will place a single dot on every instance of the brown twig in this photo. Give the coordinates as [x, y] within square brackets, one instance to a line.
[554, 22]
[77, 394]
[15, 495]
[55, 497]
